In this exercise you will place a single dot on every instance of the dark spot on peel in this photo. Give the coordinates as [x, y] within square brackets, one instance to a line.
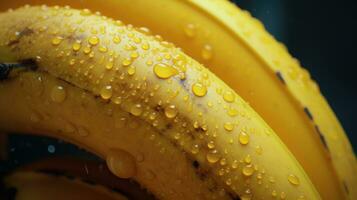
[234, 197]
[169, 126]
[158, 108]
[195, 164]
[280, 77]
[200, 129]
[308, 113]
[345, 187]
[25, 32]
[322, 138]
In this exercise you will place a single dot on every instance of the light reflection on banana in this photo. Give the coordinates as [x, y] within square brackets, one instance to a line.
[191, 30]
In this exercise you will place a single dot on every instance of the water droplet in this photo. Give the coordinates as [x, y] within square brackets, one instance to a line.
[190, 30]
[210, 144]
[235, 164]
[116, 39]
[136, 110]
[110, 64]
[106, 92]
[131, 70]
[51, 148]
[134, 54]
[145, 46]
[85, 12]
[58, 94]
[282, 195]
[207, 52]
[164, 71]
[87, 49]
[83, 131]
[121, 163]
[232, 112]
[258, 150]
[248, 170]
[177, 136]
[223, 161]
[103, 49]
[293, 179]
[35, 117]
[57, 40]
[195, 149]
[243, 138]
[170, 111]
[126, 62]
[228, 96]
[248, 159]
[213, 156]
[221, 172]
[117, 100]
[199, 89]
[76, 46]
[271, 179]
[93, 40]
[229, 181]
[228, 126]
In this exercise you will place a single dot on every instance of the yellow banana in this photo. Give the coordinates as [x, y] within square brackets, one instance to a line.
[39, 186]
[153, 113]
[238, 50]
[23, 183]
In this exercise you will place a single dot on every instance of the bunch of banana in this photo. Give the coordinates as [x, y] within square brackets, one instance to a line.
[135, 100]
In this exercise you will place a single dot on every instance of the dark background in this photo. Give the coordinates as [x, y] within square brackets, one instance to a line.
[322, 35]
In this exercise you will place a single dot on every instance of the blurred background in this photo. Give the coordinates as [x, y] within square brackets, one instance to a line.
[322, 35]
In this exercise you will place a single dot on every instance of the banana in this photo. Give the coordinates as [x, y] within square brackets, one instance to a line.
[39, 186]
[237, 49]
[135, 100]
[61, 173]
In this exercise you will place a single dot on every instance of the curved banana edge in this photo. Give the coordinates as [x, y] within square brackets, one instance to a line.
[94, 173]
[299, 84]
[40, 186]
[162, 89]
[274, 84]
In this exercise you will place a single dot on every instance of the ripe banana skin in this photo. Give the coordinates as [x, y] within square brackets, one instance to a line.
[250, 61]
[39, 186]
[153, 113]
[37, 180]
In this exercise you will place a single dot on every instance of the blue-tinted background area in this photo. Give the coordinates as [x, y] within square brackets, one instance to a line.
[323, 36]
